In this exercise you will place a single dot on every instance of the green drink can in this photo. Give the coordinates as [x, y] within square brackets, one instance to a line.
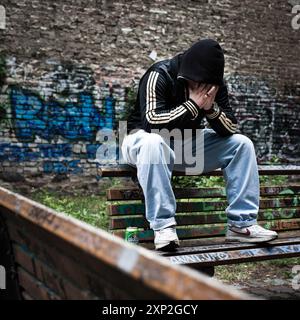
[131, 235]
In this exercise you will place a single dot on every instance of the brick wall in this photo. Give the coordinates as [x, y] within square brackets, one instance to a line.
[68, 64]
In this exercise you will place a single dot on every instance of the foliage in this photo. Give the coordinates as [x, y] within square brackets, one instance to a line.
[273, 180]
[198, 182]
[274, 160]
[2, 69]
[3, 107]
[208, 182]
[4, 120]
[131, 94]
[276, 180]
[90, 209]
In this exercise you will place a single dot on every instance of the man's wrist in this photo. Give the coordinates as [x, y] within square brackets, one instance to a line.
[213, 112]
[192, 107]
[210, 110]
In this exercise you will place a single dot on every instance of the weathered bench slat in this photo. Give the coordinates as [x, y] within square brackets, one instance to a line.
[219, 240]
[237, 256]
[127, 171]
[132, 269]
[209, 230]
[122, 222]
[201, 219]
[230, 246]
[191, 193]
[191, 206]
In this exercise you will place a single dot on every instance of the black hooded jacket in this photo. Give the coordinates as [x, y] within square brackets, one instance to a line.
[163, 96]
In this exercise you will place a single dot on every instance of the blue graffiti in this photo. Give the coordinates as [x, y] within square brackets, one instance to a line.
[61, 167]
[55, 150]
[91, 150]
[48, 119]
[16, 153]
[109, 103]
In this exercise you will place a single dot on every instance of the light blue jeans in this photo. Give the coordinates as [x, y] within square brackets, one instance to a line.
[155, 160]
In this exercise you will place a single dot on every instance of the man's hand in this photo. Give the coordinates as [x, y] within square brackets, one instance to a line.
[203, 95]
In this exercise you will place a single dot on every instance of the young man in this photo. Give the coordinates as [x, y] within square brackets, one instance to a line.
[178, 94]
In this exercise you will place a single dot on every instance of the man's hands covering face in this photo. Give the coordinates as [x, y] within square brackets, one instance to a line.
[203, 94]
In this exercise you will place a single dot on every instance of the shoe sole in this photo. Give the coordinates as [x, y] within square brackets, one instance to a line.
[251, 240]
[171, 246]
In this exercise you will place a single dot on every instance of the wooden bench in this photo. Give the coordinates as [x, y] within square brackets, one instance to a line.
[48, 255]
[202, 220]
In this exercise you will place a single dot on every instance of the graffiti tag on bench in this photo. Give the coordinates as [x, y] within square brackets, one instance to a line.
[237, 255]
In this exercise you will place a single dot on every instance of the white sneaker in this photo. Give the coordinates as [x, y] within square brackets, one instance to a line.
[253, 234]
[166, 237]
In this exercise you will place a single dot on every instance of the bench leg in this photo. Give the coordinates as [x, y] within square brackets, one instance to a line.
[209, 270]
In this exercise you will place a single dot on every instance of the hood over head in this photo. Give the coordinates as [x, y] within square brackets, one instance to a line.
[203, 62]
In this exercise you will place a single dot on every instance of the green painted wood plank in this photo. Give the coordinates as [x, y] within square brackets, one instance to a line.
[139, 208]
[192, 193]
[212, 230]
[121, 222]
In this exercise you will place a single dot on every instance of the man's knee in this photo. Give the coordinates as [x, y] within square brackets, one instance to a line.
[152, 141]
[154, 148]
[241, 141]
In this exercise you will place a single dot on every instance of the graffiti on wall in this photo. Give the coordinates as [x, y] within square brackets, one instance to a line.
[78, 120]
[55, 122]
[270, 118]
